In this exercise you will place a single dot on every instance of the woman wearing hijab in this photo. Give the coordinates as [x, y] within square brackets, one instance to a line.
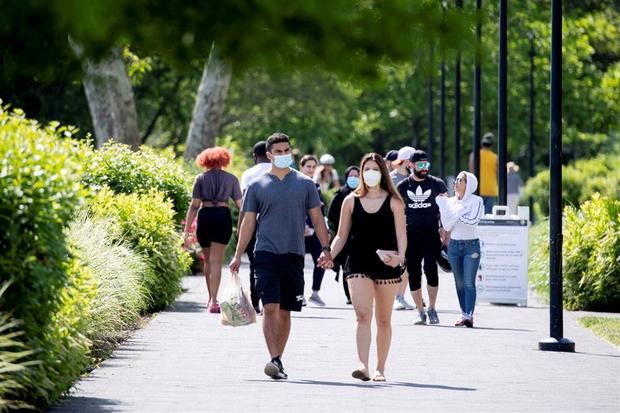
[461, 214]
[352, 181]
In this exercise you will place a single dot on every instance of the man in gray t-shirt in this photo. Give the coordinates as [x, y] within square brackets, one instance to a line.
[281, 198]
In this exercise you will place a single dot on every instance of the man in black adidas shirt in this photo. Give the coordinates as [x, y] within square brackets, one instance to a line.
[423, 242]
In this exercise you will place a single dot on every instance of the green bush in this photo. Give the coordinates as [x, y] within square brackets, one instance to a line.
[13, 367]
[592, 255]
[117, 270]
[124, 171]
[40, 168]
[146, 222]
[579, 182]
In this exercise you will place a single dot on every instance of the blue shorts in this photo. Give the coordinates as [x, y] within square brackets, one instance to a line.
[280, 279]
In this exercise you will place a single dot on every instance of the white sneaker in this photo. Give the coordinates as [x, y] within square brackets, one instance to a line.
[316, 299]
[401, 304]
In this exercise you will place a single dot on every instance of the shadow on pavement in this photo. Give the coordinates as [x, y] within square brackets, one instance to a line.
[86, 405]
[318, 318]
[187, 307]
[371, 384]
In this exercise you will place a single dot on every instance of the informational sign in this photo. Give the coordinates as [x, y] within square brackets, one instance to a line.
[502, 273]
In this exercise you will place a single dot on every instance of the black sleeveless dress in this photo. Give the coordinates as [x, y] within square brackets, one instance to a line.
[370, 232]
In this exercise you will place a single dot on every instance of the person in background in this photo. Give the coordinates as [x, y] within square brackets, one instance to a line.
[423, 236]
[489, 163]
[262, 165]
[401, 172]
[374, 218]
[461, 214]
[325, 175]
[389, 158]
[210, 195]
[307, 166]
[352, 181]
[513, 187]
[282, 198]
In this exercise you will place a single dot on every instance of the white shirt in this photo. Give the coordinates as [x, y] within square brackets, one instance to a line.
[252, 173]
[461, 216]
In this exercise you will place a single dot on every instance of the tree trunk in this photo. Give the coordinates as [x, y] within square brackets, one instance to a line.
[110, 100]
[209, 107]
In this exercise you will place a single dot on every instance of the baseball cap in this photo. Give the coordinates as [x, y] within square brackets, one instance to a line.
[391, 155]
[404, 154]
[327, 159]
[488, 138]
[418, 155]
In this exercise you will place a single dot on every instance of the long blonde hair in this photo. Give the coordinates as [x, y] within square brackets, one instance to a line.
[386, 181]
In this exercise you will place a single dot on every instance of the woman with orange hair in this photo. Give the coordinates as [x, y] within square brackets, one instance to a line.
[212, 190]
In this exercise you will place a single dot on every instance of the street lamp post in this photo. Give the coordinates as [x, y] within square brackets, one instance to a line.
[477, 94]
[557, 341]
[502, 100]
[457, 107]
[530, 166]
[431, 123]
[442, 121]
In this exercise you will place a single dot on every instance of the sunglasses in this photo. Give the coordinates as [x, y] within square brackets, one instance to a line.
[460, 180]
[422, 164]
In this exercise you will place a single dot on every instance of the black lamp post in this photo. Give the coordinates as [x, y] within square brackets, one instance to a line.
[556, 342]
[457, 107]
[431, 123]
[477, 94]
[530, 160]
[502, 100]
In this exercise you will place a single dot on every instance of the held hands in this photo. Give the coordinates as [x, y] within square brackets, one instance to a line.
[325, 260]
[390, 258]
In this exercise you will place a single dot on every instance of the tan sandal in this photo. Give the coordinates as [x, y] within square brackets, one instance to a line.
[379, 377]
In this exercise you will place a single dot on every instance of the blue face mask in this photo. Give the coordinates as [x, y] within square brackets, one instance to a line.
[353, 181]
[282, 161]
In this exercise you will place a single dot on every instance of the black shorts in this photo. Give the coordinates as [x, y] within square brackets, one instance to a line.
[214, 224]
[280, 279]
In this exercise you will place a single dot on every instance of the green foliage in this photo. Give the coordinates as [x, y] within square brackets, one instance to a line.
[124, 171]
[579, 182]
[117, 272]
[538, 260]
[606, 327]
[592, 255]
[13, 366]
[146, 223]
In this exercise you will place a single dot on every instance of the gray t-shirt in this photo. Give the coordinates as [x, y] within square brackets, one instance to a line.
[282, 206]
[216, 186]
[513, 183]
[397, 177]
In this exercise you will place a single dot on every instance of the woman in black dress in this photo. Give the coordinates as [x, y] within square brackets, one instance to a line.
[373, 221]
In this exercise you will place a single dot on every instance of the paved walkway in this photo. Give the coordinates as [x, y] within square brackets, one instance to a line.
[185, 361]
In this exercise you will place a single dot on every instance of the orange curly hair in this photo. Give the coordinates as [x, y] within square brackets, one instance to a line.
[216, 157]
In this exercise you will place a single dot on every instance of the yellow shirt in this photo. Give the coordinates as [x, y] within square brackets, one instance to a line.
[488, 173]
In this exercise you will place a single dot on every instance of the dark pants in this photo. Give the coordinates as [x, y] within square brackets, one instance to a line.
[313, 246]
[250, 251]
[422, 246]
[488, 201]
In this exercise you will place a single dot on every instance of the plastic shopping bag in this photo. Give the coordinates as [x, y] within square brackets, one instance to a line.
[236, 308]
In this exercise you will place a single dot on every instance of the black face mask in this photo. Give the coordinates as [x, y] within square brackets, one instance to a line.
[421, 174]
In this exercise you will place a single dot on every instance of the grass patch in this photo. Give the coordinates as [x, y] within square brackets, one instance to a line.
[605, 327]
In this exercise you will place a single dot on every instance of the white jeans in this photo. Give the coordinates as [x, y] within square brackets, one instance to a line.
[513, 203]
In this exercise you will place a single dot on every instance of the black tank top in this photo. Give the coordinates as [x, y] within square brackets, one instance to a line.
[370, 232]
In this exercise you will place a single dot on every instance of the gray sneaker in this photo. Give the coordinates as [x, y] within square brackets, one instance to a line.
[275, 370]
[422, 320]
[432, 316]
[315, 298]
[401, 304]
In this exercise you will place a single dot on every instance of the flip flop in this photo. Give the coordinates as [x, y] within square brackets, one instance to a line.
[360, 375]
[379, 377]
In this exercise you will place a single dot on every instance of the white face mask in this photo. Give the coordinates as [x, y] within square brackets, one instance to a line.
[372, 178]
[282, 161]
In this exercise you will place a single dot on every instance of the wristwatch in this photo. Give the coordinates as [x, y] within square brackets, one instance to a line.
[326, 248]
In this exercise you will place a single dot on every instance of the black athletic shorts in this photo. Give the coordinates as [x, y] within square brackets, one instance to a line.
[280, 279]
[214, 225]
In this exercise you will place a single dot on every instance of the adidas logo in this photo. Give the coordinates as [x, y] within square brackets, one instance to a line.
[418, 198]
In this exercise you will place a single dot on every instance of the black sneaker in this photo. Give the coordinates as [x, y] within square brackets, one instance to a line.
[275, 370]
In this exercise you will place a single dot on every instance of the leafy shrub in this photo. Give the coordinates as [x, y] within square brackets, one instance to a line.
[12, 365]
[39, 192]
[538, 262]
[592, 255]
[146, 222]
[124, 171]
[117, 271]
[579, 182]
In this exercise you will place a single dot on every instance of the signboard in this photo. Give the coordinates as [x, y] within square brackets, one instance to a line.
[502, 273]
